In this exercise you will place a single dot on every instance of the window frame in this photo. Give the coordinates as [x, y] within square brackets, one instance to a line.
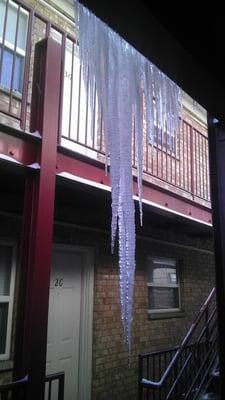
[168, 262]
[14, 48]
[9, 300]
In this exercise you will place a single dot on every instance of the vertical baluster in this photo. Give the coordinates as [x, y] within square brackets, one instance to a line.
[3, 38]
[63, 56]
[157, 152]
[93, 119]
[181, 136]
[87, 110]
[183, 157]
[205, 169]
[133, 145]
[199, 165]
[153, 374]
[191, 161]
[140, 370]
[24, 101]
[71, 92]
[207, 338]
[187, 138]
[171, 160]
[165, 134]
[49, 390]
[207, 165]
[146, 153]
[61, 387]
[166, 355]
[161, 153]
[160, 372]
[14, 59]
[195, 162]
[176, 140]
[101, 131]
[79, 105]
[148, 367]
[186, 353]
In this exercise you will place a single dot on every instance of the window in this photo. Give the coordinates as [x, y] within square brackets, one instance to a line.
[7, 283]
[165, 140]
[163, 285]
[13, 38]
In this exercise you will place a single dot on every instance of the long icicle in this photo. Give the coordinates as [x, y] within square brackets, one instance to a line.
[125, 81]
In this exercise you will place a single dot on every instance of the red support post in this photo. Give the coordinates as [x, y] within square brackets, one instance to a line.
[217, 175]
[32, 320]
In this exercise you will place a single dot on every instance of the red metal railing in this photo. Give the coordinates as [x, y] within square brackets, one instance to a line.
[180, 165]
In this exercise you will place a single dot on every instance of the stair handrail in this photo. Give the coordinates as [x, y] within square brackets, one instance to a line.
[13, 384]
[158, 384]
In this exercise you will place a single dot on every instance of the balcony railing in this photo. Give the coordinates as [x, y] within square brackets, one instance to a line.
[14, 390]
[54, 387]
[179, 164]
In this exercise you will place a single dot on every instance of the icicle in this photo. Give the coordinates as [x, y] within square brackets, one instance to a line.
[124, 79]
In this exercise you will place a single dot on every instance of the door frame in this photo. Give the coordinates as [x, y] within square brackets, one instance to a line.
[86, 317]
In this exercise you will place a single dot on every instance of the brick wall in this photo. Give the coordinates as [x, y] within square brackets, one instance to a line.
[112, 376]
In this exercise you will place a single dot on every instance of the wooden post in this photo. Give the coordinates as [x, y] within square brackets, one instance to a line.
[38, 217]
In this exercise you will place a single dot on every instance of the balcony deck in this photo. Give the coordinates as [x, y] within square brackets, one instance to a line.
[176, 173]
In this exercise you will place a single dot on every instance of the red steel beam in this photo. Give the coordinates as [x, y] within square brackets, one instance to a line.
[22, 149]
[30, 349]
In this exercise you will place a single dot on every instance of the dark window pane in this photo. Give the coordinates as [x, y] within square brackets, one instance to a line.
[11, 23]
[22, 30]
[162, 274]
[18, 74]
[3, 326]
[5, 269]
[2, 16]
[6, 75]
[163, 298]
[6, 68]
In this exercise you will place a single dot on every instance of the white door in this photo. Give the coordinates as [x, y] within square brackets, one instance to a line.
[65, 321]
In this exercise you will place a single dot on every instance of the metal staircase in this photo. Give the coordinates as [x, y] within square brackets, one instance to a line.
[185, 372]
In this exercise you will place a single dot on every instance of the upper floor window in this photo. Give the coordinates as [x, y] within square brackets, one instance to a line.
[163, 285]
[7, 283]
[165, 140]
[13, 38]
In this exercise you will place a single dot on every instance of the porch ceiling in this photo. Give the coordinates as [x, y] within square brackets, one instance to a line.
[79, 203]
[90, 206]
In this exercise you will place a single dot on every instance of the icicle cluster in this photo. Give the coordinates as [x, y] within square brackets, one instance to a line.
[125, 81]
